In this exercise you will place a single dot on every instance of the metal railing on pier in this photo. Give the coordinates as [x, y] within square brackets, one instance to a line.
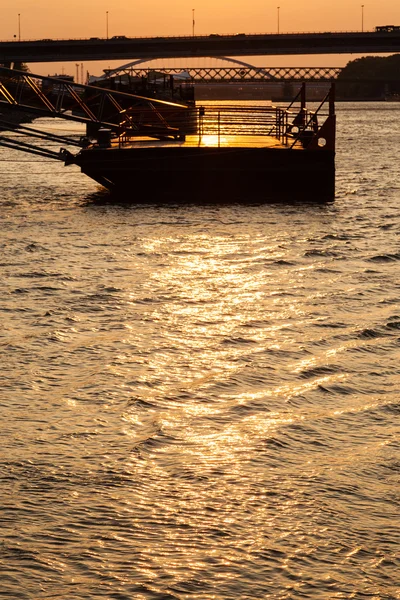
[292, 127]
[216, 121]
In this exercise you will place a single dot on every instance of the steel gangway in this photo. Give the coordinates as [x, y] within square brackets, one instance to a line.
[24, 93]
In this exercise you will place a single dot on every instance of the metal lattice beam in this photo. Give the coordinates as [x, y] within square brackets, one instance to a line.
[238, 74]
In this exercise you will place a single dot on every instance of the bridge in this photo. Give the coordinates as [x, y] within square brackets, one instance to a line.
[121, 47]
[234, 71]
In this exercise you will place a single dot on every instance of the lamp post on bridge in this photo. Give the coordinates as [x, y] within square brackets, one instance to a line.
[278, 7]
[193, 22]
[19, 27]
[107, 24]
[362, 17]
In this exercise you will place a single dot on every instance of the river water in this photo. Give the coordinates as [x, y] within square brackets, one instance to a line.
[202, 403]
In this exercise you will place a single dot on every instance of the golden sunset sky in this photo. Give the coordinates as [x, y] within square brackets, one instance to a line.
[41, 19]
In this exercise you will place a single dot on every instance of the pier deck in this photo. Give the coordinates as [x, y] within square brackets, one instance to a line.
[207, 141]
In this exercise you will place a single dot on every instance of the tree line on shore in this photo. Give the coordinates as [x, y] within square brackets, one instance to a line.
[370, 78]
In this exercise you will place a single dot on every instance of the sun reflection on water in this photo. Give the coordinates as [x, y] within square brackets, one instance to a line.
[222, 409]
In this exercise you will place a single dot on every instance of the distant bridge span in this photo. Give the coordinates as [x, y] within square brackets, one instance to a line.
[121, 47]
[234, 71]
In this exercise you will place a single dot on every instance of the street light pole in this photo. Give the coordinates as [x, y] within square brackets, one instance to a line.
[107, 24]
[193, 22]
[362, 17]
[278, 7]
[19, 27]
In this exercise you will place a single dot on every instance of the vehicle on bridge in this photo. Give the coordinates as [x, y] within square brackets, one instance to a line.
[387, 28]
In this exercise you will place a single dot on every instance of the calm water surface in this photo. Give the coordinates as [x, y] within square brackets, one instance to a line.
[202, 403]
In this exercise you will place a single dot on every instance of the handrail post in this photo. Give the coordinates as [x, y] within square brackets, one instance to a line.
[278, 117]
[280, 114]
[332, 99]
[303, 96]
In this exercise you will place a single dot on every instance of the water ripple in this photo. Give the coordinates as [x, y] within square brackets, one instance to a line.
[202, 402]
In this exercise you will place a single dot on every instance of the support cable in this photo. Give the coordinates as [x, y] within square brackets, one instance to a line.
[31, 132]
[29, 148]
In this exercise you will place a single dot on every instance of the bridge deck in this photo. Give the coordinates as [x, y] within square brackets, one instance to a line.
[359, 42]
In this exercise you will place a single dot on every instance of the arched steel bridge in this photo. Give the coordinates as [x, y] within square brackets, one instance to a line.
[235, 71]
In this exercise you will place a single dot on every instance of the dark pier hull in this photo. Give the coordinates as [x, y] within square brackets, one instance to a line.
[213, 174]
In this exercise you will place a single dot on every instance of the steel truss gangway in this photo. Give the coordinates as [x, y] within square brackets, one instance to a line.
[123, 114]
